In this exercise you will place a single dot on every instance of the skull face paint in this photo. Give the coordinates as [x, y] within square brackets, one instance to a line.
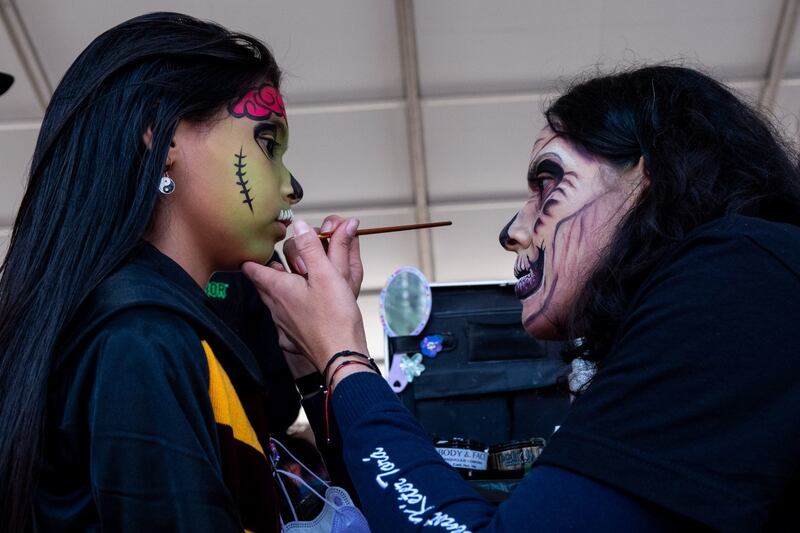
[575, 204]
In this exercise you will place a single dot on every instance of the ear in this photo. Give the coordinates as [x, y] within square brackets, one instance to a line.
[641, 170]
[147, 138]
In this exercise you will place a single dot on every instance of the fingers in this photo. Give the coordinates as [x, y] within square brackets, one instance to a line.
[331, 223]
[341, 243]
[356, 266]
[293, 259]
[309, 249]
[277, 266]
[263, 277]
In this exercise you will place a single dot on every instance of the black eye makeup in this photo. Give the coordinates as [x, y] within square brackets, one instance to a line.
[545, 176]
[265, 134]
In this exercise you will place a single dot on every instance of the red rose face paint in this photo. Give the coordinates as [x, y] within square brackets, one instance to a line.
[259, 104]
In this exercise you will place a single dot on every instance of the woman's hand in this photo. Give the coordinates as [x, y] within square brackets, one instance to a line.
[299, 364]
[317, 311]
[343, 250]
[345, 253]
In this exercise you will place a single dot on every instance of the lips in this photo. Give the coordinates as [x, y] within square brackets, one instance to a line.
[530, 279]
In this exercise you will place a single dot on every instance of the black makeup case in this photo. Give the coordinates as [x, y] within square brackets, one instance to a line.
[491, 382]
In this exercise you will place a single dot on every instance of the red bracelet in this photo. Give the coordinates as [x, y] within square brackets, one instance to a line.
[328, 394]
[344, 364]
[347, 353]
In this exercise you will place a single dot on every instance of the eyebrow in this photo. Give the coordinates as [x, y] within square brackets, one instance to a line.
[546, 155]
[273, 127]
[537, 141]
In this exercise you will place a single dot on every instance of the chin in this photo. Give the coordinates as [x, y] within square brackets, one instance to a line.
[260, 258]
[255, 252]
[540, 327]
[259, 255]
[537, 316]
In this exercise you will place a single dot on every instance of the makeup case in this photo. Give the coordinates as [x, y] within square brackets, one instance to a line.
[490, 382]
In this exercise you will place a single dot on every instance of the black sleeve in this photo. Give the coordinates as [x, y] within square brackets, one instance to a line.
[404, 485]
[153, 450]
[697, 407]
[328, 440]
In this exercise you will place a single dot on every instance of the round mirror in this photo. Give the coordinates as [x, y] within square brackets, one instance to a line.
[405, 303]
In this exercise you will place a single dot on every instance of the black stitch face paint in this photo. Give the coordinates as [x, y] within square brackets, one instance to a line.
[576, 202]
[240, 165]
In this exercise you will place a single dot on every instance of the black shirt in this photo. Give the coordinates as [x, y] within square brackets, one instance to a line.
[157, 416]
[693, 417]
[235, 300]
[697, 407]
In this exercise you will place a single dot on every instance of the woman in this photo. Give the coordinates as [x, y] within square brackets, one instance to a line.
[127, 404]
[661, 228]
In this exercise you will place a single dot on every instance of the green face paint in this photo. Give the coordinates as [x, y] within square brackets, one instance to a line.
[247, 192]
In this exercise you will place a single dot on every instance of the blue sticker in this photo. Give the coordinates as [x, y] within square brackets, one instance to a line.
[412, 366]
[431, 345]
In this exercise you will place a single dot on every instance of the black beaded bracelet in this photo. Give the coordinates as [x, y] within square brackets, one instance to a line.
[345, 353]
[344, 364]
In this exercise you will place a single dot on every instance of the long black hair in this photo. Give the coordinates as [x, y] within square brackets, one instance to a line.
[90, 198]
[706, 154]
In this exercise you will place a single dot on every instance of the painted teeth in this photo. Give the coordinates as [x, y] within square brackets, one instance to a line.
[285, 215]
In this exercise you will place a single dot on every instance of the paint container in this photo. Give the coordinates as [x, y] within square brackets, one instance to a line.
[465, 455]
[515, 457]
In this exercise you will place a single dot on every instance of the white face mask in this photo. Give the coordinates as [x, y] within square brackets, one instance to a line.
[338, 515]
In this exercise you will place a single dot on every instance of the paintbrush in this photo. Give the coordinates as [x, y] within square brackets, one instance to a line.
[390, 229]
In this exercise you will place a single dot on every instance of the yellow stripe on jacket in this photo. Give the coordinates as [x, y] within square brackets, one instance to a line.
[225, 402]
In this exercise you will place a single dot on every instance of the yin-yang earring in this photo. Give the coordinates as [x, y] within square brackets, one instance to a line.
[167, 185]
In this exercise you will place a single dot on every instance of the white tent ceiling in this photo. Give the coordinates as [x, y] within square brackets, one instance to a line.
[486, 70]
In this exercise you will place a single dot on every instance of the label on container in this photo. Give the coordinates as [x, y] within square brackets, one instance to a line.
[462, 458]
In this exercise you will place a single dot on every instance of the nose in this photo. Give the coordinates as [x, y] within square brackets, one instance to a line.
[514, 236]
[297, 190]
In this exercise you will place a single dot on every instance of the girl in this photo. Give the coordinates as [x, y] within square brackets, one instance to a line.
[126, 403]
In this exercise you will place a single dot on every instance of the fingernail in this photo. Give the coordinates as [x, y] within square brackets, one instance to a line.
[326, 226]
[352, 226]
[301, 227]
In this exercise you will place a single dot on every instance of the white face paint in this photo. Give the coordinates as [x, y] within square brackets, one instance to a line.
[576, 202]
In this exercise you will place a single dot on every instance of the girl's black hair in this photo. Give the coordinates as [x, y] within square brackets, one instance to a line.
[706, 154]
[91, 195]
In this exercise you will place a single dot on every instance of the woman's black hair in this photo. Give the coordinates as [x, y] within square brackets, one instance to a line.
[90, 198]
[706, 154]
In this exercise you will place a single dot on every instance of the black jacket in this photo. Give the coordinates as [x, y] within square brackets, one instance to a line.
[156, 414]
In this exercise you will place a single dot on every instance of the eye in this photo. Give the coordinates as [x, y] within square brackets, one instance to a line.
[546, 177]
[265, 137]
[544, 183]
[268, 145]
